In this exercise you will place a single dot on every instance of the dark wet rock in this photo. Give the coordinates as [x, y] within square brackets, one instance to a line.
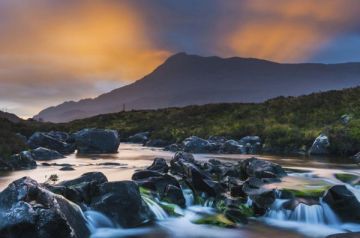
[154, 180]
[235, 215]
[157, 143]
[122, 202]
[67, 168]
[174, 147]
[159, 165]
[263, 201]
[41, 139]
[42, 153]
[219, 169]
[195, 144]
[356, 158]
[59, 135]
[111, 164]
[30, 210]
[174, 194]
[82, 189]
[258, 168]
[23, 160]
[293, 203]
[97, 141]
[22, 137]
[232, 147]
[344, 203]
[45, 164]
[320, 145]
[237, 191]
[176, 163]
[251, 144]
[217, 139]
[141, 137]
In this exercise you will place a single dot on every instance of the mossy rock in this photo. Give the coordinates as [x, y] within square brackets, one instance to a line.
[171, 209]
[219, 220]
[348, 178]
[308, 192]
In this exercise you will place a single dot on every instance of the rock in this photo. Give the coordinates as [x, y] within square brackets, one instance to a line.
[237, 191]
[112, 164]
[30, 210]
[42, 153]
[217, 139]
[176, 163]
[320, 145]
[23, 160]
[67, 168]
[174, 194]
[345, 119]
[159, 165]
[59, 135]
[258, 168]
[157, 143]
[356, 158]
[82, 189]
[141, 137]
[174, 148]
[232, 147]
[21, 137]
[154, 181]
[344, 203]
[251, 144]
[122, 202]
[41, 139]
[97, 141]
[195, 144]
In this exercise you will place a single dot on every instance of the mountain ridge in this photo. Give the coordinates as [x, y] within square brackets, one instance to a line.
[185, 79]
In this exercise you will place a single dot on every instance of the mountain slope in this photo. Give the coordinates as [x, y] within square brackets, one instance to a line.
[189, 79]
[9, 116]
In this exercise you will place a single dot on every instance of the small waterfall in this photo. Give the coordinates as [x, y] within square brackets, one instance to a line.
[189, 196]
[210, 202]
[97, 220]
[314, 214]
[159, 213]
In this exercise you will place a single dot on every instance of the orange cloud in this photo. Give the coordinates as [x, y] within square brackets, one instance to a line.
[90, 40]
[287, 30]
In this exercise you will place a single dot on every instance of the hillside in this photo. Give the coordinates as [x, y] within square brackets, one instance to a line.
[285, 124]
[194, 80]
[9, 116]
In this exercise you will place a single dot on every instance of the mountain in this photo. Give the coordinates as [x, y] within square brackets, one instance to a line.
[194, 80]
[9, 116]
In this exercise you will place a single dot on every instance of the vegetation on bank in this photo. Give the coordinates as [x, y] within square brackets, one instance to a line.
[285, 124]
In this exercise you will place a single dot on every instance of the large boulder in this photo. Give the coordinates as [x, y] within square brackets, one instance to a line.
[122, 202]
[356, 158]
[97, 141]
[320, 145]
[344, 203]
[42, 153]
[157, 143]
[59, 135]
[195, 144]
[141, 137]
[254, 167]
[41, 139]
[30, 210]
[23, 160]
[176, 163]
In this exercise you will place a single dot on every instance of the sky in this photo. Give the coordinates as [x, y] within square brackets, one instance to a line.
[53, 51]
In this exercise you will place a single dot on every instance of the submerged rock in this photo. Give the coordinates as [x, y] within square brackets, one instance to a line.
[42, 153]
[42, 139]
[97, 141]
[30, 210]
[344, 203]
[157, 143]
[320, 145]
[232, 147]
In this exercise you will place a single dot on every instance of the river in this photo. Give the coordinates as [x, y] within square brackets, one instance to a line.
[304, 221]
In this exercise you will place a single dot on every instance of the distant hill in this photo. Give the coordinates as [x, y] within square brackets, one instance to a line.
[194, 80]
[9, 116]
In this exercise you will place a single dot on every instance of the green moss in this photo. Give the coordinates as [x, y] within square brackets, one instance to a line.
[171, 209]
[348, 178]
[216, 220]
[308, 192]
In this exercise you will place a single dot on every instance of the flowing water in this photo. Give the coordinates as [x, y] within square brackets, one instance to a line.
[317, 220]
